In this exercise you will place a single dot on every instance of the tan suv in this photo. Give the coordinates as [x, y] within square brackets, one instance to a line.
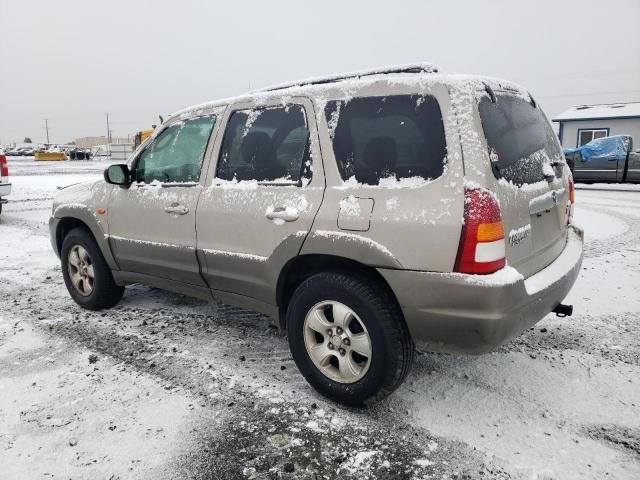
[368, 214]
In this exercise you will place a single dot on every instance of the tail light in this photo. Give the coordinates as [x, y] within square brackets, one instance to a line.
[572, 189]
[572, 198]
[481, 247]
[4, 169]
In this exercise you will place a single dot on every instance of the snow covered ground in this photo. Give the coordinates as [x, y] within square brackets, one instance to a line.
[164, 386]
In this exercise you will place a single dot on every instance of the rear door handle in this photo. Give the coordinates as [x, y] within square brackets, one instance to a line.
[287, 214]
[176, 208]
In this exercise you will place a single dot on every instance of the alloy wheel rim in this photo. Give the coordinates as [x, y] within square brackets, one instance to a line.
[337, 341]
[81, 272]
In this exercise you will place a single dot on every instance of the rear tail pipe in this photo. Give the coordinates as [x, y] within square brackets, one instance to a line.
[562, 310]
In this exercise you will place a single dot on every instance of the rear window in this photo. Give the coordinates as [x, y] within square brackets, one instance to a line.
[519, 137]
[399, 136]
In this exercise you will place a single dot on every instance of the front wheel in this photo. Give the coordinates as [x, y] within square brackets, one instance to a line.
[348, 337]
[86, 274]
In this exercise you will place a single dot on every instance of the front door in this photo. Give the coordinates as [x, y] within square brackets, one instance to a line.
[152, 222]
[262, 196]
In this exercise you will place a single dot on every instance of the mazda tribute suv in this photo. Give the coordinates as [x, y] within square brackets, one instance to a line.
[369, 214]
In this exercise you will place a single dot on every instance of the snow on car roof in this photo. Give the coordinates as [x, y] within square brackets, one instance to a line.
[419, 74]
[603, 110]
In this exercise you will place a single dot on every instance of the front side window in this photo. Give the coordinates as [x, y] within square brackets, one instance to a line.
[587, 135]
[267, 145]
[519, 137]
[176, 154]
[399, 136]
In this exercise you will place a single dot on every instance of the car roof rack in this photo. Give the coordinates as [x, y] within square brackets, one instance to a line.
[409, 68]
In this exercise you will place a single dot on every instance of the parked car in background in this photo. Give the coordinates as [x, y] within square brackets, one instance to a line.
[80, 154]
[335, 206]
[27, 152]
[5, 186]
[20, 152]
[606, 159]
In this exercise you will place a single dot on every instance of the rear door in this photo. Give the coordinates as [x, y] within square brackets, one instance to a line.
[394, 193]
[261, 198]
[526, 169]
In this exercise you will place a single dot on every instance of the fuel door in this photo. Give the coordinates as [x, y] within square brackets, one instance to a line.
[355, 213]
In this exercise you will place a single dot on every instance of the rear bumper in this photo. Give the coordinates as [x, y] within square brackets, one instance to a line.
[5, 189]
[457, 313]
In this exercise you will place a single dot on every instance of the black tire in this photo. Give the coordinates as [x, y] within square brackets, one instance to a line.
[105, 293]
[392, 350]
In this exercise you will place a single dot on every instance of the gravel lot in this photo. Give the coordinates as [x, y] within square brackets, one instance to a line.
[164, 386]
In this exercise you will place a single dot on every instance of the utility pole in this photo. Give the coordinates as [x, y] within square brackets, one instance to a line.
[46, 126]
[108, 136]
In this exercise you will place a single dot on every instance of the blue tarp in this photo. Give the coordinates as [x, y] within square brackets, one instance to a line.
[606, 148]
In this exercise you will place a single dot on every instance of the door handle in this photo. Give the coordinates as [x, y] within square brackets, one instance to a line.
[288, 214]
[176, 208]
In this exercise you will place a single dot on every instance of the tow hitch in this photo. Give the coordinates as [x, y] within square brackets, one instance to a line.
[562, 310]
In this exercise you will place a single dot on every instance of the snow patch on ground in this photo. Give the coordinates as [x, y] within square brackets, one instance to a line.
[598, 226]
[33, 187]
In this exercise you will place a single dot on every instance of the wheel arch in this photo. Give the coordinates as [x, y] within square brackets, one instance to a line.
[298, 269]
[67, 223]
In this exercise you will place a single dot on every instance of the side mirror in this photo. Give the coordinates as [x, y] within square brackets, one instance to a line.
[117, 174]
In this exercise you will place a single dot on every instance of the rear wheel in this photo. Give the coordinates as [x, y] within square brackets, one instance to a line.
[348, 338]
[86, 274]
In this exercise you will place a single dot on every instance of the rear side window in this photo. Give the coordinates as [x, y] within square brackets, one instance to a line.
[519, 137]
[267, 145]
[176, 154]
[399, 136]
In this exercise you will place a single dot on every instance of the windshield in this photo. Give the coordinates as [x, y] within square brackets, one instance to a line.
[520, 139]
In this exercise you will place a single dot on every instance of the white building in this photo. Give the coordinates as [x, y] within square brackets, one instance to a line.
[583, 123]
[89, 142]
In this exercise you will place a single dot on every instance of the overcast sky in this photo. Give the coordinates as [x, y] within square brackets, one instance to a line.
[71, 60]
